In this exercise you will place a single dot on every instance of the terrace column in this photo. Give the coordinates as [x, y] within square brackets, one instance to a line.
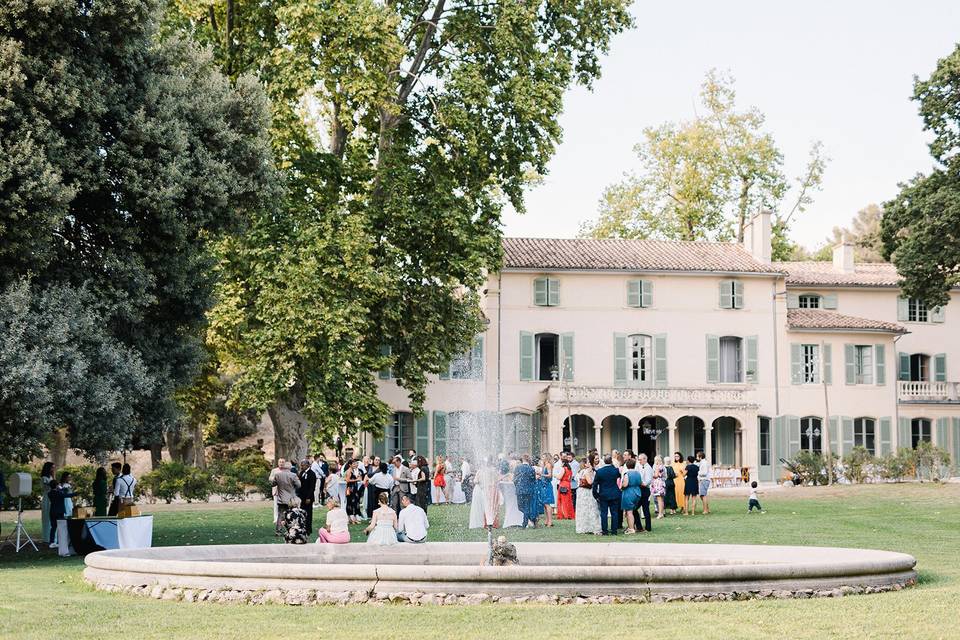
[635, 437]
[598, 436]
[707, 443]
[674, 439]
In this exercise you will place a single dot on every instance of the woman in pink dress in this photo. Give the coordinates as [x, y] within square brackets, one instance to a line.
[335, 530]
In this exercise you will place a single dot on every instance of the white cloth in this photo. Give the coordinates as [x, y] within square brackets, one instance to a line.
[383, 534]
[512, 516]
[413, 522]
[465, 469]
[381, 480]
[706, 472]
[477, 519]
[458, 496]
[436, 494]
[337, 521]
[135, 532]
[557, 472]
[486, 499]
[588, 513]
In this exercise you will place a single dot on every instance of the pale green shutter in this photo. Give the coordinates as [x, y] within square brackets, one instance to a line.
[796, 363]
[380, 445]
[660, 359]
[553, 292]
[904, 369]
[439, 433]
[847, 434]
[646, 293]
[956, 443]
[903, 308]
[386, 351]
[540, 292]
[633, 293]
[527, 356]
[737, 294]
[423, 435]
[753, 360]
[943, 425]
[903, 435]
[535, 434]
[476, 359]
[793, 301]
[880, 359]
[834, 428]
[940, 367]
[884, 436]
[850, 359]
[713, 358]
[780, 438]
[937, 314]
[827, 373]
[829, 301]
[566, 347]
[793, 423]
[619, 359]
[726, 293]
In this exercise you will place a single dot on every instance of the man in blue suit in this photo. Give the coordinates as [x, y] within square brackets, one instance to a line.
[607, 493]
[525, 481]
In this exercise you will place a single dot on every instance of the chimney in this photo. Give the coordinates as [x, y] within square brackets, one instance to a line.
[843, 258]
[757, 236]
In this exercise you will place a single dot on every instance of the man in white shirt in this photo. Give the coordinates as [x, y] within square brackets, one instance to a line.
[703, 478]
[413, 524]
[646, 479]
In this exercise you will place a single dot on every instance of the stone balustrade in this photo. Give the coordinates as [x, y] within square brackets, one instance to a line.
[714, 396]
[911, 391]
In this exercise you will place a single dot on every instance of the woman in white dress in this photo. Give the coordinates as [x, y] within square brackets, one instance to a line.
[485, 506]
[383, 524]
[588, 513]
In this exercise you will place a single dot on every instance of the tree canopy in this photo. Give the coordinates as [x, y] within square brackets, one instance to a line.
[702, 178]
[921, 225]
[401, 130]
[121, 157]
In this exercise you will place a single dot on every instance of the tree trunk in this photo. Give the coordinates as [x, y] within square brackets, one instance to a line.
[199, 454]
[58, 450]
[289, 429]
[156, 454]
[174, 444]
[742, 213]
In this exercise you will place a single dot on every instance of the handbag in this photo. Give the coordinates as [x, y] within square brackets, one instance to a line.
[563, 490]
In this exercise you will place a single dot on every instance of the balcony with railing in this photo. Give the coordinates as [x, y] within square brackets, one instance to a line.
[719, 396]
[909, 391]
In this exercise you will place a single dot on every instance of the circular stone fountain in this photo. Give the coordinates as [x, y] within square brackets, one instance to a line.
[455, 572]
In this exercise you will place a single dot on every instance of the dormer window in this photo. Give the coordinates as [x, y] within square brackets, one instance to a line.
[809, 301]
[546, 292]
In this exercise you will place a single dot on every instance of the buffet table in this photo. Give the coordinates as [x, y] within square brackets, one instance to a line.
[86, 535]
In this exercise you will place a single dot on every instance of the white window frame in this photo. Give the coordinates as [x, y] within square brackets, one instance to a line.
[804, 300]
[720, 360]
[806, 423]
[917, 310]
[811, 363]
[639, 359]
[863, 363]
[860, 433]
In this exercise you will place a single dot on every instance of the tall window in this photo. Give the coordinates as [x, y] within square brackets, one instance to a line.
[731, 355]
[864, 434]
[919, 431]
[811, 363]
[917, 310]
[469, 366]
[548, 356]
[764, 441]
[809, 301]
[400, 435]
[811, 434]
[641, 358]
[863, 364]
[919, 367]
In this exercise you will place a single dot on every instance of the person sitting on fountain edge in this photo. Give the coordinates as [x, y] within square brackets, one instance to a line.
[413, 524]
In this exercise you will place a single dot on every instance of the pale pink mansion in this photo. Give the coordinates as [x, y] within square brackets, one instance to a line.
[605, 343]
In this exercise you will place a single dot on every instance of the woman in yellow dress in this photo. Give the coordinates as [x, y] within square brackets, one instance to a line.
[680, 469]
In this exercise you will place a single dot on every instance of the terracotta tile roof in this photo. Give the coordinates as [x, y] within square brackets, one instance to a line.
[820, 319]
[631, 255]
[865, 274]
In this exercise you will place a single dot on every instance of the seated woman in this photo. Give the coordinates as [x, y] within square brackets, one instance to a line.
[383, 524]
[294, 523]
[335, 531]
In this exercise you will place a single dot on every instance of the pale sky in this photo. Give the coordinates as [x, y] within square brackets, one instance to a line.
[841, 72]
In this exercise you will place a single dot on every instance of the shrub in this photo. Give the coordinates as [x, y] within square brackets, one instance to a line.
[857, 464]
[82, 482]
[897, 465]
[197, 485]
[812, 467]
[29, 502]
[165, 482]
[931, 462]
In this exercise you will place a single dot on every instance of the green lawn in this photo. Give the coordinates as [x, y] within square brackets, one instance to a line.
[44, 596]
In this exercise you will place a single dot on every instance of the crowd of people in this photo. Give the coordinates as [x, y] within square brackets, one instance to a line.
[619, 491]
[57, 493]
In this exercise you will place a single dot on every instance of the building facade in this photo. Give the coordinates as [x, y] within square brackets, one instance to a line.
[662, 346]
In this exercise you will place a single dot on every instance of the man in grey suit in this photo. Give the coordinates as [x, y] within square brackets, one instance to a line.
[287, 484]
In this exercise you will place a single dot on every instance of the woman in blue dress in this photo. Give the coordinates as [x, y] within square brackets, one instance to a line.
[545, 485]
[630, 495]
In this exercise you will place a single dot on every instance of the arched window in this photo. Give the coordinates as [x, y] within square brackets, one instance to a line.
[919, 431]
[639, 359]
[809, 301]
[811, 434]
[864, 434]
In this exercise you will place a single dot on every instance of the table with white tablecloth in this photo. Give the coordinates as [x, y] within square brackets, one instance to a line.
[83, 535]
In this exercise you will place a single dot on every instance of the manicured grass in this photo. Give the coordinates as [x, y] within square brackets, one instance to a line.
[45, 597]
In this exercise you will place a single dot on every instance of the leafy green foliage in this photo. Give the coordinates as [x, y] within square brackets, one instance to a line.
[702, 179]
[898, 464]
[811, 468]
[81, 479]
[931, 462]
[859, 464]
[120, 158]
[401, 130]
[921, 226]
